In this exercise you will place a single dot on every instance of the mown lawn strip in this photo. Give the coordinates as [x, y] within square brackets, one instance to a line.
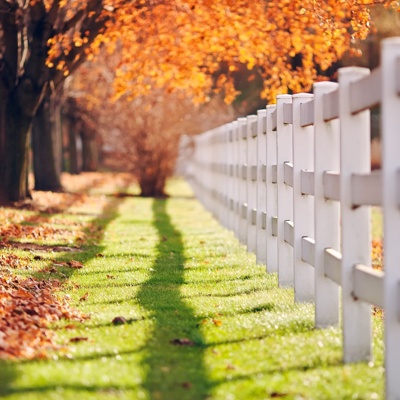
[202, 320]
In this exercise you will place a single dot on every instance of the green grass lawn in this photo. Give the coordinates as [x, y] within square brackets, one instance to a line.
[203, 321]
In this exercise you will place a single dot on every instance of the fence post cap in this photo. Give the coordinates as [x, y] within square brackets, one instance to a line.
[303, 96]
[326, 84]
[283, 96]
[262, 112]
[391, 41]
[353, 70]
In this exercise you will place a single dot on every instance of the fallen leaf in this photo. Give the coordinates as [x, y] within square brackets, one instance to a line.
[75, 264]
[60, 264]
[182, 342]
[84, 297]
[78, 339]
[110, 276]
[217, 322]
[28, 306]
[70, 326]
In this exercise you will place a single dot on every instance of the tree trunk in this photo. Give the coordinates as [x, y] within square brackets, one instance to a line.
[46, 144]
[152, 183]
[15, 130]
[90, 156]
[74, 148]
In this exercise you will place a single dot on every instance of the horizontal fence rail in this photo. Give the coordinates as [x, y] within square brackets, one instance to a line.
[294, 184]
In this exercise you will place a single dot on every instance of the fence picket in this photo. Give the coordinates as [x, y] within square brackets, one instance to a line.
[303, 205]
[326, 212]
[285, 192]
[390, 189]
[251, 131]
[261, 188]
[355, 225]
[272, 191]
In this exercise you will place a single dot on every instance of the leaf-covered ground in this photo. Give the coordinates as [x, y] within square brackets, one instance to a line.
[107, 295]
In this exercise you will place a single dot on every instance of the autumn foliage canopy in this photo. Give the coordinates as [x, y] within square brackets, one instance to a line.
[197, 45]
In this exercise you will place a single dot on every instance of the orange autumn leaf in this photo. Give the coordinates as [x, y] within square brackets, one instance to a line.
[84, 297]
[217, 322]
[26, 333]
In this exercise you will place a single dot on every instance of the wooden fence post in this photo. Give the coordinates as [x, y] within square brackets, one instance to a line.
[251, 132]
[223, 175]
[261, 203]
[229, 175]
[236, 178]
[355, 222]
[390, 108]
[242, 130]
[285, 192]
[303, 205]
[272, 192]
[326, 212]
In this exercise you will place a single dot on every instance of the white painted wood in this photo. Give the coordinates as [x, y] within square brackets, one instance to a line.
[288, 173]
[397, 78]
[390, 120]
[355, 228]
[368, 285]
[230, 178]
[263, 170]
[330, 102]
[242, 129]
[333, 265]
[366, 189]
[263, 220]
[331, 185]
[236, 182]
[307, 113]
[274, 120]
[251, 182]
[274, 222]
[274, 178]
[326, 212]
[288, 232]
[366, 93]
[303, 205]
[222, 181]
[285, 193]
[307, 182]
[287, 113]
[308, 250]
[261, 200]
[272, 192]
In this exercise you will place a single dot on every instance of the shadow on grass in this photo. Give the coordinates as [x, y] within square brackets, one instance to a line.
[175, 351]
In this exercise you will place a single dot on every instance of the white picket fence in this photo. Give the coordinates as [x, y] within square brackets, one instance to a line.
[294, 184]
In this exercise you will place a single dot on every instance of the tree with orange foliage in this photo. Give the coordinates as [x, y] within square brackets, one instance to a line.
[189, 45]
[197, 45]
[41, 42]
[141, 135]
